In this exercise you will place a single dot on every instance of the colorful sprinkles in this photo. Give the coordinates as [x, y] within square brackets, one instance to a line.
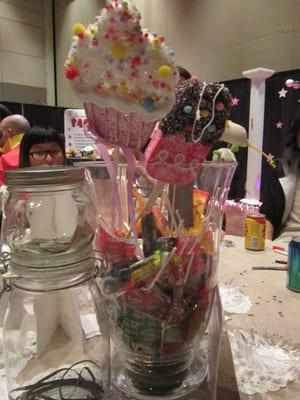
[115, 60]
[200, 111]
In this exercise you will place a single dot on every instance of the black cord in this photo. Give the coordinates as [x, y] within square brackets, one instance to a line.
[39, 390]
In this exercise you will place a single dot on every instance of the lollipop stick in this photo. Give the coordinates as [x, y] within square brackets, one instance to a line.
[172, 213]
[162, 268]
[189, 267]
[157, 189]
[269, 158]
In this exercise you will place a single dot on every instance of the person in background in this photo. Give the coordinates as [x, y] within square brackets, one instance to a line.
[56, 215]
[42, 147]
[4, 112]
[184, 74]
[12, 129]
[281, 195]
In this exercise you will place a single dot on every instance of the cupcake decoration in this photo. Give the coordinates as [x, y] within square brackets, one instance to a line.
[184, 137]
[115, 63]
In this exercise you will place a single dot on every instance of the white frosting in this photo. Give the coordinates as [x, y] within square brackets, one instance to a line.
[114, 63]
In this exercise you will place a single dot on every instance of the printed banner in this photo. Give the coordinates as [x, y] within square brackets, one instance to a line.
[78, 144]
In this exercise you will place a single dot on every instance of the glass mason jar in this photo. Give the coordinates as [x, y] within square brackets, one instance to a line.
[162, 244]
[49, 215]
[55, 329]
[55, 333]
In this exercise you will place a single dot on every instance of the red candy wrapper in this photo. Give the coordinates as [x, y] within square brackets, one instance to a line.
[116, 249]
[148, 301]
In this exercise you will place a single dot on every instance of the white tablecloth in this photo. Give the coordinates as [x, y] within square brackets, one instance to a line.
[274, 312]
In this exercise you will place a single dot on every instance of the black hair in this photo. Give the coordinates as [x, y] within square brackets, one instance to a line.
[184, 73]
[4, 112]
[291, 148]
[36, 135]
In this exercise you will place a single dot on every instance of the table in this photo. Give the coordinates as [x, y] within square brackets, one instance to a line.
[226, 390]
[275, 309]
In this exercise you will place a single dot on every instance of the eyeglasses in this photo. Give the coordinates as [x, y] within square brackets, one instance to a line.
[41, 155]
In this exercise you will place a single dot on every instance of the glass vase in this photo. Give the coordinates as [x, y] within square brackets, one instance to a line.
[162, 245]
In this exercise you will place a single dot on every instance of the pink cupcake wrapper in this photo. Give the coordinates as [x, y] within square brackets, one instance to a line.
[118, 128]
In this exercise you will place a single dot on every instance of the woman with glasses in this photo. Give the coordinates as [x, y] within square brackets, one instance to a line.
[42, 147]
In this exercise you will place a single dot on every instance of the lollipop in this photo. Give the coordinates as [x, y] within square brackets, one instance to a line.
[184, 137]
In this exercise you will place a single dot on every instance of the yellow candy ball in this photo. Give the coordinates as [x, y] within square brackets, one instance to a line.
[78, 29]
[118, 51]
[164, 71]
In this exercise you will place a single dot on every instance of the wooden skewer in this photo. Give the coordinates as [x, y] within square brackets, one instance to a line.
[271, 162]
[271, 267]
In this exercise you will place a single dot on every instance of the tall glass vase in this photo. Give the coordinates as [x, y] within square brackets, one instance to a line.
[162, 246]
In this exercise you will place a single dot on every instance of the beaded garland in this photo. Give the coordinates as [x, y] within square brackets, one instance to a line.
[115, 63]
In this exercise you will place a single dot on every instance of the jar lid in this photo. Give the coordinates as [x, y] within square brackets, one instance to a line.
[42, 176]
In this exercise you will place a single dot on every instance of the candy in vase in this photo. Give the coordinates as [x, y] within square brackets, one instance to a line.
[161, 307]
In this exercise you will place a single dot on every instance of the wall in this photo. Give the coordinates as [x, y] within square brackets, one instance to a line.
[215, 39]
[23, 60]
[68, 12]
[219, 39]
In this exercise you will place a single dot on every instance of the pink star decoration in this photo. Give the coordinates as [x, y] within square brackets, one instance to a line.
[270, 160]
[235, 101]
[282, 92]
[279, 125]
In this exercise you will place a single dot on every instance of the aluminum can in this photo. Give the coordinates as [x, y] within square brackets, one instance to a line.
[293, 278]
[255, 231]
